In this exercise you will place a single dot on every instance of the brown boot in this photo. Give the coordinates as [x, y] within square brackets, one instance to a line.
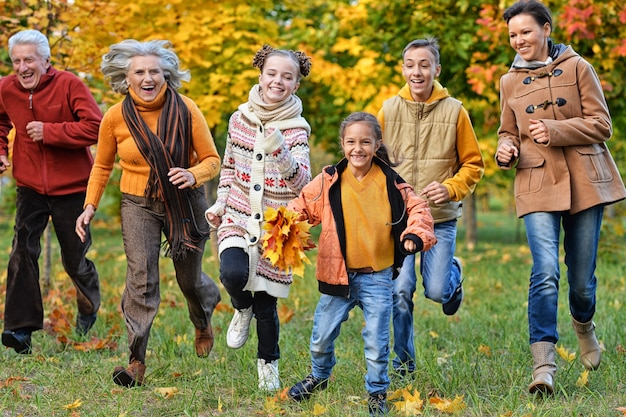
[590, 353]
[544, 368]
[131, 376]
[204, 341]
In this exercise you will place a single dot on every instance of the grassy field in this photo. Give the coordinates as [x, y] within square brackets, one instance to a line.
[476, 363]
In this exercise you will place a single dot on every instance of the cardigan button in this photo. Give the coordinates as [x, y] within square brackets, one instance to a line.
[259, 157]
[257, 216]
[261, 129]
[253, 239]
[257, 187]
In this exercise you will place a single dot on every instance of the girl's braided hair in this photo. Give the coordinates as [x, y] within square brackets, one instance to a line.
[300, 58]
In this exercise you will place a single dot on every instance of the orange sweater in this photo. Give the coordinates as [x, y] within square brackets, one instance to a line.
[114, 138]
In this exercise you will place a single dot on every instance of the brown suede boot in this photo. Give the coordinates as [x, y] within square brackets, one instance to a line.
[131, 376]
[204, 341]
[544, 368]
[590, 353]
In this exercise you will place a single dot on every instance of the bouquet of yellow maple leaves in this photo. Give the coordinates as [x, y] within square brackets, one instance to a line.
[285, 240]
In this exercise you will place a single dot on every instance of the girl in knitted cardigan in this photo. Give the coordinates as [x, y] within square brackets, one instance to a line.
[266, 164]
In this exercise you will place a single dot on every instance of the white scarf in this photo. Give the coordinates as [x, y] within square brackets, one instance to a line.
[289, 108]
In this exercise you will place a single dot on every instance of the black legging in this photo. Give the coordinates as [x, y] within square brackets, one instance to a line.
[234, 267]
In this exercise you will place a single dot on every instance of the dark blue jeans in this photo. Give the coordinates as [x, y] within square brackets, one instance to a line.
[24, 307]
[234, 276]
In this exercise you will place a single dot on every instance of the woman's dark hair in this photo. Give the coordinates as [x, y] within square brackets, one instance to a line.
[539, 11]
[356, 117]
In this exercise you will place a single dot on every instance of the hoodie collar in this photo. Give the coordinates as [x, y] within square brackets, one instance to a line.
[439, 92]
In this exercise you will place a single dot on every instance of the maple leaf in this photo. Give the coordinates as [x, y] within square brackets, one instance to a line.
[565, 354]
[622, 410]
[448, 406]
[285, 240]
[411, 403]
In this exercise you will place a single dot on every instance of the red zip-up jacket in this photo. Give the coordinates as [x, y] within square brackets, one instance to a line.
[61, 163]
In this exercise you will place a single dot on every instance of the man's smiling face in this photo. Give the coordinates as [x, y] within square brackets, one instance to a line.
[28, 65]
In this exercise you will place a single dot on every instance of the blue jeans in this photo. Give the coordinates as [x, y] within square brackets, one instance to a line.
[441, 275]
[372, 293]
[581, 237]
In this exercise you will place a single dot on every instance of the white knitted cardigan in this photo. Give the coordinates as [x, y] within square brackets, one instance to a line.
[264, 165]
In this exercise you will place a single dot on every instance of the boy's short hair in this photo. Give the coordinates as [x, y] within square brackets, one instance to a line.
[429, 42]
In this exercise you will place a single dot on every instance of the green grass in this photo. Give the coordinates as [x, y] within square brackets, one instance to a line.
[480, 354]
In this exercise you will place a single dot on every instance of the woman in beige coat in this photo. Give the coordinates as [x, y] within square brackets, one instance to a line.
[554, 125]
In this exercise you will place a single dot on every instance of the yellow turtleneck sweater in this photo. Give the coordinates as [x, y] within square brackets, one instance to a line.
[114, 139]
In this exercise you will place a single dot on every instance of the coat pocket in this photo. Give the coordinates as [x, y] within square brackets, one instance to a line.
[529, 175]
[594, 163]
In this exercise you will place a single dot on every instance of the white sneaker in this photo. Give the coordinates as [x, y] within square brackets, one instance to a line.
[268, 375]
[239, 328]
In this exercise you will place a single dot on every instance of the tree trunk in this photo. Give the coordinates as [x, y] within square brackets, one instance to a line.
[471, 222]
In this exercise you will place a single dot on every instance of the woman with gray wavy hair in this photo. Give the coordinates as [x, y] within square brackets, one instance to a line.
[166, 153]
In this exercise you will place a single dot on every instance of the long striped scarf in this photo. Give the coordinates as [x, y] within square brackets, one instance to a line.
[169, 148]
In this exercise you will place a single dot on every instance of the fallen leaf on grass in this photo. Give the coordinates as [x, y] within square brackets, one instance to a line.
[565, 354]
[485, 350]
[166, 392]
[410, 405]
[319, 410]
[448, 406]
[11, 380]
[622, 410]
[583, 379]
[72, 406]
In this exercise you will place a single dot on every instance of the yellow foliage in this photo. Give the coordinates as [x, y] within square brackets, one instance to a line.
[583, 379]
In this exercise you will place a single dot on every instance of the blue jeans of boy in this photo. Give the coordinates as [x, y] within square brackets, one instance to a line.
[372, 293]
[441, 275]
[581, 237]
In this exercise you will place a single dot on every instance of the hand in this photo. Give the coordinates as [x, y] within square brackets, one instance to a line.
[436, 192]
[83, 221]
[35, 131]
[409, 246]
[505, 154]
[181, 177]
[4, 163]
[538, 132]
[212, 219]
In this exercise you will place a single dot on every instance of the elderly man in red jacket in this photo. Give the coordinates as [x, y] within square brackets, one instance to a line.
[56, 120]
